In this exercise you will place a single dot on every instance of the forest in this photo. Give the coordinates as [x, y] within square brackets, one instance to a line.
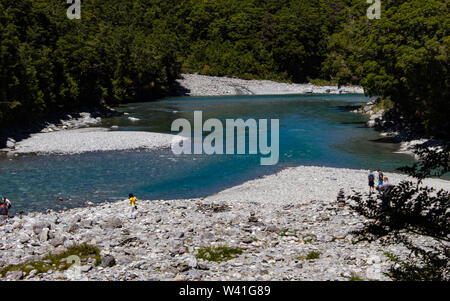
[122, 51]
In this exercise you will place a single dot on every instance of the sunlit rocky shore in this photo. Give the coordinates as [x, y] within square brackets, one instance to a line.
[286, 226]
[202, 85]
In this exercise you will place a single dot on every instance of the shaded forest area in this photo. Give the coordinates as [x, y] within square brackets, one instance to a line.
[121, 51]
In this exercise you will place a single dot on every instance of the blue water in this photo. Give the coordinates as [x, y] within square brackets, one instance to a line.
[314, 130]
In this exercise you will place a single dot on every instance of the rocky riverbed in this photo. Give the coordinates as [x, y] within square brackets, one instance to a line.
[202, 85]
[286, 226]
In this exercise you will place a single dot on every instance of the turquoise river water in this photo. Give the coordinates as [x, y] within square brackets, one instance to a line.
[314, 130]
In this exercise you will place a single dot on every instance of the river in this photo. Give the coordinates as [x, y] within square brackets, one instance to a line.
[314, 130]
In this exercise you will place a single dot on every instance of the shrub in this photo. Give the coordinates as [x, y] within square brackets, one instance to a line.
[55, 261]
[218, 254]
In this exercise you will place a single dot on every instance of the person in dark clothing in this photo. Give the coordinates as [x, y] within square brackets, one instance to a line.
[380, 177]
[371, 179]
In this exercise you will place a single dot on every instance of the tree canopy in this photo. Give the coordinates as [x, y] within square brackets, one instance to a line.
[134, 50]
[116, 52]
[404, 56]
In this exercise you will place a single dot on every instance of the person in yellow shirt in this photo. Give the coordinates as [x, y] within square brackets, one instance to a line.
[133, 205]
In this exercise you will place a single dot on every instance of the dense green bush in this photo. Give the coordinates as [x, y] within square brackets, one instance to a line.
[403, 56]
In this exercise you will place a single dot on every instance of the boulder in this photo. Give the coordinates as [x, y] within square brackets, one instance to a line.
[176, 247]
[272, 228]
[43, 236]
[14, 275]
[112, 223]
[253, 219]
[183, 268]
[247, 240]
[202, 266]
[108, 261]
[194, 275]
[24, 239]
[192, 262]
[87, 224]
[73, 227]
[371, 123]
[86, 268]
[179, 278]
[57, 241]
[37, 227]
[68, 243]
[75, 219]
[10, 143]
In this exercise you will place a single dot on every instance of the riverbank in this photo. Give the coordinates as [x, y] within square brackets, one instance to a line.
[83, 118]
[202, 85]
[286, 226]
[396, 128]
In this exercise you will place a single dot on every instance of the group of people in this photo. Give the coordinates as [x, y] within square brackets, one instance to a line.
[5, 205]
[383, 182]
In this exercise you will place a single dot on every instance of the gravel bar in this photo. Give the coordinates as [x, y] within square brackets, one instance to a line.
[202, 85]
[90, 140]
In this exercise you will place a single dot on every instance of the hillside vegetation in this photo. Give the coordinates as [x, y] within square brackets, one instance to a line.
[123, 50]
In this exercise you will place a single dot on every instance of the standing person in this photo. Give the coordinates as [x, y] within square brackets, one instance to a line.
[4, 209]
[380, 177]
[371, 179]
[133, 205]
[6, 202]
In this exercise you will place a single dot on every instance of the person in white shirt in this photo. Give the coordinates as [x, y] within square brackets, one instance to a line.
[6, 202]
